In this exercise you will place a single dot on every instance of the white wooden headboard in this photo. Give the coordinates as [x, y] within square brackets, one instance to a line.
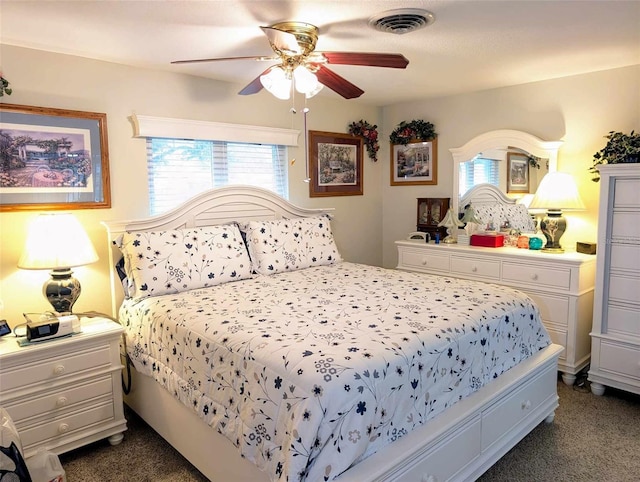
[484, 194]
[216, 206]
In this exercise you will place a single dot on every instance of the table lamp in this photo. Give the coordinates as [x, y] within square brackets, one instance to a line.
[58, 242]
[557, 192]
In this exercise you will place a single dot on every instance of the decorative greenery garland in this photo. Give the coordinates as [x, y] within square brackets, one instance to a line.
[416, 129]
[370, 135]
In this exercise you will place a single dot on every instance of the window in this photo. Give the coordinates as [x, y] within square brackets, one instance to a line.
[478, 171]
[181, 168]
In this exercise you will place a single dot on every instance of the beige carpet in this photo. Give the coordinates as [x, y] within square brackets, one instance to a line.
[592, 439]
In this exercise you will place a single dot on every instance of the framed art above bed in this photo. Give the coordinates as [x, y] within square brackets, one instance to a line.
[307, 367]
[335, 164]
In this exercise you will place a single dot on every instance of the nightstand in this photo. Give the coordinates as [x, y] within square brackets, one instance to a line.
[65, 393]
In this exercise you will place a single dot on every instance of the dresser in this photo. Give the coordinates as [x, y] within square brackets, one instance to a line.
[615, 336]
[65, 393]
[562, 285]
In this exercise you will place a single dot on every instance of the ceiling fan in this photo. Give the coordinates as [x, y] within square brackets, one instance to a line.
[299, 65]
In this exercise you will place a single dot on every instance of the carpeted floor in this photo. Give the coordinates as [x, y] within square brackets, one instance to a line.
[592, 439]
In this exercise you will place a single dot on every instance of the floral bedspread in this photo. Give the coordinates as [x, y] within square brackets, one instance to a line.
[308, 372]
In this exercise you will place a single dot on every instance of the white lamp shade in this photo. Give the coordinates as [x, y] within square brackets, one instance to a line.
[557, 191]
[277, 83]
[304, 80]
[56, 241]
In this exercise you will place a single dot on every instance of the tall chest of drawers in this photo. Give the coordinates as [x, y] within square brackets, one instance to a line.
[562, 286]
[615, 335]
[65, 393]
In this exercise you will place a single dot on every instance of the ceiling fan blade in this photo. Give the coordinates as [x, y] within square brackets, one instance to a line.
[222, 58]
[282, 41]
[255, 85]
[394, 61]
[338, 84]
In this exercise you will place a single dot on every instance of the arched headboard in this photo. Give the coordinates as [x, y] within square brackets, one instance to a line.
[216, 206]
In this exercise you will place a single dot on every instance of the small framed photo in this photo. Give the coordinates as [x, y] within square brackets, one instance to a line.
[335, 164]
[53, 159]
[517, 172]
[414, 163]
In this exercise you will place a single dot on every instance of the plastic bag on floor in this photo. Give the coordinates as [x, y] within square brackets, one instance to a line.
[45, 466]
[12, 465]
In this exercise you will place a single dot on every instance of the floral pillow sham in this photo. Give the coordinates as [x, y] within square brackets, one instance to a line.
[168, 262]
[290, 244]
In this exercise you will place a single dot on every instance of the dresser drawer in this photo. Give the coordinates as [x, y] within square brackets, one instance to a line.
[554, 309]
[424, 261]
[625, 257]
[626, 194]
[60, 399]
[620, 358]
[559, 337]
[54, 368]
[66, 425]
[497, 419]
[622, 319]
[624, 289]
[489, 269]
[540, 276]
[625, 226]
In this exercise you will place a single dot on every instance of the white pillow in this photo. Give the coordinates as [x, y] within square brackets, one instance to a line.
[291, 244]
[167, 262]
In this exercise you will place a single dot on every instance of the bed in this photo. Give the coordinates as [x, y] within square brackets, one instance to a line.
[285, 362]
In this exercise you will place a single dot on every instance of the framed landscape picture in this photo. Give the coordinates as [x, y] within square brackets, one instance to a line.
[414, 163]
[335, 164]
[53, 159]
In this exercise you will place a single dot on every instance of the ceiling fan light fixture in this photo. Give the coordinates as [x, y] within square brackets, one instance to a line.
[277, 83]
[304, 80]
[401, 20]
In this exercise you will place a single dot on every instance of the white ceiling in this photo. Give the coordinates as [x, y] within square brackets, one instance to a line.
[472, 45]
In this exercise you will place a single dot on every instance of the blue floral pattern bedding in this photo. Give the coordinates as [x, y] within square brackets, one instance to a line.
[308, 372]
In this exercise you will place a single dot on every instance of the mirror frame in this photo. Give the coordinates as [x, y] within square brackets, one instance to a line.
[501, 138]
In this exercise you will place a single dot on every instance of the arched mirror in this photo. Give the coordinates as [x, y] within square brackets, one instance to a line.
[514, 161]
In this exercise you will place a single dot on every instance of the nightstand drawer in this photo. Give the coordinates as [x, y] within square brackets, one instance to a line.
[476, 267]
[539, 276]
[60, 399]
[66, 425]
[425, 261]
[55, 368]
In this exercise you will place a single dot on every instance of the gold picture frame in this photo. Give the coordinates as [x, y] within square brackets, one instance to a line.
[53, 159]
[415, 163]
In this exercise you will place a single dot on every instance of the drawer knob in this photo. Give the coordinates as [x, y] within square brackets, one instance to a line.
[63, 428]
[424, 262]
[526, 405]
[429, 478]
[61, 402]
[474, 269]
[58, 370]
[534, 277]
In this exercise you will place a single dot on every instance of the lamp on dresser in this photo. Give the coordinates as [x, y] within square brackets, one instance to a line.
[557, 192]
[58, 242]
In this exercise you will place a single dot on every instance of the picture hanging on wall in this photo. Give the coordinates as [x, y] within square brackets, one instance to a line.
[53, 159]
[335, 164]
[414, 163]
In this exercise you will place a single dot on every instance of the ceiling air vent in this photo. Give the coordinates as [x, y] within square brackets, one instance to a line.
[401, 21]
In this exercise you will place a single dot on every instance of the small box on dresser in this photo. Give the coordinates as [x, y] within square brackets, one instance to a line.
[66, 392]
[615, 335]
